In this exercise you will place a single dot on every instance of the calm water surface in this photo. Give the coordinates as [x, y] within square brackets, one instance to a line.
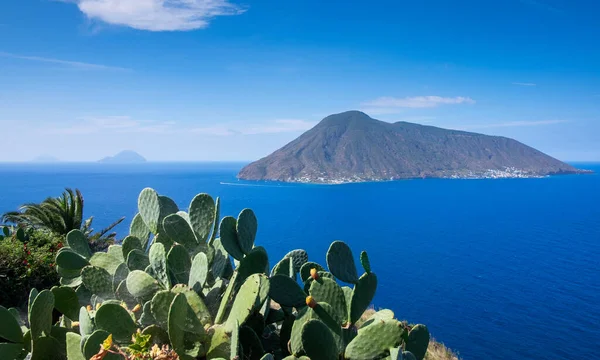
[497, 269]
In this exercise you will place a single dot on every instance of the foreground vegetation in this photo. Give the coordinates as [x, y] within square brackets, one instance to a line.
[170, 291]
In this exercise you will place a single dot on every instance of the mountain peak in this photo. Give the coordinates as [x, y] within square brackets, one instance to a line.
[124, 157]
[346, 118]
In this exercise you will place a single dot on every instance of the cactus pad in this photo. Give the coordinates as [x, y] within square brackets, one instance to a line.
[141, 285]
[117, 321]
[318, 341]
[9, 327]
[418, 341]
[130, 243]
[195, 302]
[229, 237]
[98, 281]
[70, 260]
[249, 299]
[179, 264]
[66, 301]
[375, 340]
[106, 261]
[78, 243]
[185, 331]
[299, 258]
[286, 292]
[329, 291]
[40, 314]
[246, 230]
[74, 347]
[340, 262]
[158, 262]
[198, 272]
[179, 230]
[139, 229]
[137, 260]
[362, 295]
[364, 261]
[202, 212]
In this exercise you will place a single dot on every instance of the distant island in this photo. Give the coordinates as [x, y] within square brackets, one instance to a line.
[353, 147]
[124, 157]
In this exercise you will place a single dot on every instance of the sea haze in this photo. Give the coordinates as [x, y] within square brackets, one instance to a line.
[497, 269]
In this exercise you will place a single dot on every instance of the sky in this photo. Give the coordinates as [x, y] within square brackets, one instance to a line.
[226, 80]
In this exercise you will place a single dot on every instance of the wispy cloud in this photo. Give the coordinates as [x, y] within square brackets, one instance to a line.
[512, 124]
[157, 15]
[272, 127]
[74, 64]
[391, 105]
[524, 84]
[111, 124]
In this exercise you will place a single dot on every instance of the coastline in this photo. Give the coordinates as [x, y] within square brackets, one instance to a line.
[509, 173]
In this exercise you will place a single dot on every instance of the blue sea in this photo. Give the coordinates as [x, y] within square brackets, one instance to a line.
[497, 269]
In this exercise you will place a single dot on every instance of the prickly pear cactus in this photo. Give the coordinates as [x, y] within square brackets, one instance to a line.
[179, 288]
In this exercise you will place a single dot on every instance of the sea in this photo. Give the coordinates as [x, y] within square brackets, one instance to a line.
[496, 268]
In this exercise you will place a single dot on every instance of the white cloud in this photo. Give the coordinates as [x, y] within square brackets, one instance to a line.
[118, 124]
[512, 124]
[273, 127]
[157, 15]
[74, 64]
[390, 105]
[524, 84]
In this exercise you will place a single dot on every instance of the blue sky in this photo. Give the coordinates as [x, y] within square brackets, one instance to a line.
[228, 80]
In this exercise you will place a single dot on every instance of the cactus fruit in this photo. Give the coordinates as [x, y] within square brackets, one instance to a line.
[78, 243]
[314, 274]
[307, 267]
[202, 212]
[418, 341]
[311, 302]
[340, 262]
[375, 340]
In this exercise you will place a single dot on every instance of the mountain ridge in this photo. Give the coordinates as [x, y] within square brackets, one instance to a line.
[124, 157]
[353, 147]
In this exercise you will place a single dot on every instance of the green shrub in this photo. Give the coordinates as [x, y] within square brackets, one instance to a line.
[27, 265]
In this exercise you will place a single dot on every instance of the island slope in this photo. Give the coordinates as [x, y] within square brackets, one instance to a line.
[353, 147]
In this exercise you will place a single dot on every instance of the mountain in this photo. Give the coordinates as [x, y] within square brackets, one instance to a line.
[353, 147]
[124, 157]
